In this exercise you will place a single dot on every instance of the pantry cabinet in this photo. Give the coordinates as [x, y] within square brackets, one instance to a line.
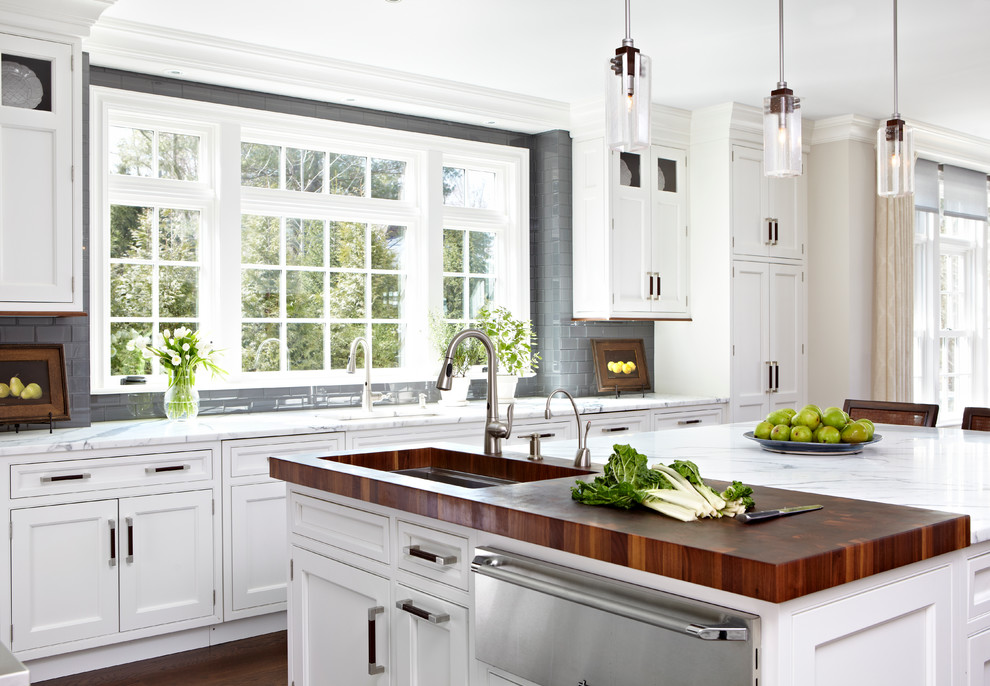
[630, 227]
[765, 218]
[40, 176]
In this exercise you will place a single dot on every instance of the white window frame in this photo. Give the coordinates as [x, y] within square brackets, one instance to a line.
[223, 199]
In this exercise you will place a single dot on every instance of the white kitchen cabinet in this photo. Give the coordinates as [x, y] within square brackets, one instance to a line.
[409, 437]
[255, 545]
[560, 427]
[768, 334]
[338, 623]
[81, 570]
[431, 640]
[617, 423]
[40, 179]
[765, 218]
[978, 659]
[630, 226]
[684, 418]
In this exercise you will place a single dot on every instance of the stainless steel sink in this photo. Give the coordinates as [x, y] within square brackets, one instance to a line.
[454, 477]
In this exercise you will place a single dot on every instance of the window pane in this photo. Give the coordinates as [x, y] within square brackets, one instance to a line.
[482, 290]
[347, 174]
[178, 291]
[952, 295]
[131, 151]
[341, 336]
[260, 347]
[178, 156]
[453, 186]
[304, 170]
[386, 296]
[259, 293]
[453, 297]
[387, 179]
[303, 294]
[130, 232]
[304, 242]
[386, 345]
[122, 360]
[480, 189]
[259, 239]
[260, 165]
[130, 288]
[453, 250]
[347, 244]
[387, 246]
[481, 252]
[178, 235]
[305, 345]
[346, 295]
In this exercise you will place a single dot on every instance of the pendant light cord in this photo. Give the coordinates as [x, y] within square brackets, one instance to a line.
[896, 112]
[628, 39]
[780, 14]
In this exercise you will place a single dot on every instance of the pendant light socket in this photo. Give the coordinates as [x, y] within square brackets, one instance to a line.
[782, 123]
[627, 97]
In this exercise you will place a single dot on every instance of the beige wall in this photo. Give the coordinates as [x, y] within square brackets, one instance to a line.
[841, 193]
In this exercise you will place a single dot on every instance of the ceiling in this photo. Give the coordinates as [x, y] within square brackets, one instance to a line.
[839, 53]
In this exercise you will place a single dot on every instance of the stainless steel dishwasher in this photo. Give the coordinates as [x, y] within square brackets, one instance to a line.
[557, 626]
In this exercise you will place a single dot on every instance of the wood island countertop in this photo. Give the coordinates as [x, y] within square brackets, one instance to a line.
[774, 561]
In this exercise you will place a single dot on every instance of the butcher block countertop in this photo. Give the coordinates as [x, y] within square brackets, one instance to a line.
[853, 536]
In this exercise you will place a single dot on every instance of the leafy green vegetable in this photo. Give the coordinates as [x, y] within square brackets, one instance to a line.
[677, 490]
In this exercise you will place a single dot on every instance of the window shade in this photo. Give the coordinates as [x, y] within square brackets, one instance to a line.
[926, 185]
[965, 192]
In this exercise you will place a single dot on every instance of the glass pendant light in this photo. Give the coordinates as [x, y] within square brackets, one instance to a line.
[895, 147]
[782, 123]
[627, 101]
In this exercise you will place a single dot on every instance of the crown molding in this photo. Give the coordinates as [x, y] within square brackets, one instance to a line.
[951, 147]
[846, 127]
[151, 49]
[727, 121]
[53, 17]
[669, 126]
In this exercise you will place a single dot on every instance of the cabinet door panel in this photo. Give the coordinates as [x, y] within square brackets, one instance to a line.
[329, 623]
[63, 573]
[783, 207]
[787, 315]
[167, 558]
[427, 653]
[750, 347]
[749, 211]
[258, 544]
[669, 248]
[631, 249]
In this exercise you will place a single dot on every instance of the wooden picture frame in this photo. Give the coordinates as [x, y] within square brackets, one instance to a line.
[32, 364]
[613, 350]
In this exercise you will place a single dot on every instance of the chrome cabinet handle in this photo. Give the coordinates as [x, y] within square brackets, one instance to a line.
[776, 381]
[614, 429]
[408, 606]
[689, 421]
[113, 543]
[776, 233]
[657, 274]
[373, 666]
[168, 468]
[649, 277]
[66, 477]
[129, 521]
[438, 560]
[769, 376]
[769, 240]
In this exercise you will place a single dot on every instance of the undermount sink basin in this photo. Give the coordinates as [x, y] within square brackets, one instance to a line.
[457, 468]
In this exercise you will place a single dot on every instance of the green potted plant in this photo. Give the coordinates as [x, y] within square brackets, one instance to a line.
[513, 340]
[467, 354]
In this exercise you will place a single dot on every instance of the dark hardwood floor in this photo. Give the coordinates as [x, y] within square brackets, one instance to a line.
[258, 661]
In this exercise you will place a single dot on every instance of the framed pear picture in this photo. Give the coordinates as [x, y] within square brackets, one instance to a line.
[32, 384]
[620, 364]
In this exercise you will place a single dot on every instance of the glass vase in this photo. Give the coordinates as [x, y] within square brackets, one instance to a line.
[181, 399]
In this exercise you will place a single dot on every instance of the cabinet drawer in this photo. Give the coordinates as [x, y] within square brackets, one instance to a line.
[433, 554]
[356, 531]
[978, 591]
[249, 457]
[680, 420]
[75, 476]
[616, 424]
[550, 430]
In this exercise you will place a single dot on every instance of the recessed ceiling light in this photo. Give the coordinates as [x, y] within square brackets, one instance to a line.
[174, 72]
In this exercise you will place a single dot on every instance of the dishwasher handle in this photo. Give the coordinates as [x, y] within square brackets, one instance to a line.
[515, 571]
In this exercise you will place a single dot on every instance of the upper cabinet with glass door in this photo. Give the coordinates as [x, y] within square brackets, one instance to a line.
[630, 224]
[40, 183]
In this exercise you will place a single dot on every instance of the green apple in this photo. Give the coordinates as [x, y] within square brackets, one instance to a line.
[16, 386]
[781, 432]
[762, 430]
[807, 417]
[801, 433]
[828, 434]
[834, 416]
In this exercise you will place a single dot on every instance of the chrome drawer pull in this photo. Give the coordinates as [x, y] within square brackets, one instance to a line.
[169, 468]
[689, 421]
[438, 560]
[407, 606]
[614, 429]
[66, 477]
[373, 666]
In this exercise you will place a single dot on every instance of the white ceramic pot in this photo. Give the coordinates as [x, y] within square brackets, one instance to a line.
[457, 395]
[506, 386]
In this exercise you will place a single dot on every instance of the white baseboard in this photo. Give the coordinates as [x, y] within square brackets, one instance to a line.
[80, 661]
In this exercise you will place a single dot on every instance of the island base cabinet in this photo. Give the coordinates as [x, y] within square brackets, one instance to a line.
[431, 640]
[900, 633]
[83, 570]
[338, 623]
[978, 659]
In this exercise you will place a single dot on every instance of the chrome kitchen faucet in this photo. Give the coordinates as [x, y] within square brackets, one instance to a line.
[583, 457]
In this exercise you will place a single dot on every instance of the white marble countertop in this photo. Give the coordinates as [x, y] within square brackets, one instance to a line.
[938, 469]
[150, 432]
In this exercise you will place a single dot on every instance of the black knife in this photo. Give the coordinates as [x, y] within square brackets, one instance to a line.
[763, 515]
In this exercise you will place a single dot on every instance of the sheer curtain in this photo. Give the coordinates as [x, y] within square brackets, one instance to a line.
[893, 299]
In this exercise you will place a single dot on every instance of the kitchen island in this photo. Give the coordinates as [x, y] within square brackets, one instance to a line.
[866, 590]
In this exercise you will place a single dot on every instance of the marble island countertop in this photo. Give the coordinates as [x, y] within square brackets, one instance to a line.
[151, 432]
